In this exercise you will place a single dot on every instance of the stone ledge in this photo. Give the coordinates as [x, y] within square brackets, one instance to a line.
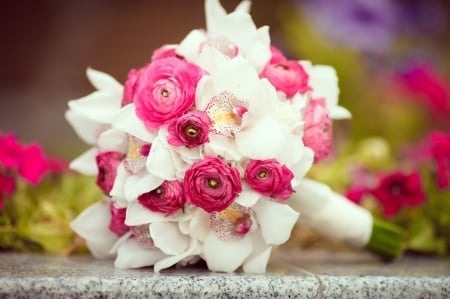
[309, 274]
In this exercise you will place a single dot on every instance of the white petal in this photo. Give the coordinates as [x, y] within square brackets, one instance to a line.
[248, 198]
[199, 225]
[118, 189]
[324, 82]
[131, 255]
[137, 215]
[304, 165]
[92, 225]
[193, 249]
[211, 59]
[213, 12]
[257, 261]
[167, 237]
[103, 81]
[85, 163]
[159, 162]
[224, 147]
[340, 112]
[87, 129]
[276, 220]
[225, 256]
[265, 139]
[190, 45]
[258, 53]
[127, 121]
[112, 140]
[141, 183]
[98, 106]
[120, 241]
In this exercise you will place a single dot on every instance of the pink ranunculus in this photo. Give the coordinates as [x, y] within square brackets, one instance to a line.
[269, 178]
[440, 150]
[164, 52]
[167, 198]
[398, 189]
[117, 224]
[130, 87]
[212, 184]
[191, 129]
[287, 76]
[107, 163]
[318, 133]
[165, 90]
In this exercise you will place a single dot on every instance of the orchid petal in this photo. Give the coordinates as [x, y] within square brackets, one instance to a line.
[103, 81]
[248, 198]
[127, 121]
[276, 221]
[265, 139]
[98, 106]
[112, 140]
[303, 166]
[225, 256]
[141, 183]
[258, 53]
[87, 129]
[167, 237]
[213, 12]
[199, 225]
[193, 249]
[211, 60]
[132, 255]
[92, 225]
[340, 112]
[138, 215]
[85, 163]
[257, 261]
[159, 162]
[190, 45]
[118, 189]
[224, 147]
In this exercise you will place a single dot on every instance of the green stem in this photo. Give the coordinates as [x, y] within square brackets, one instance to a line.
[387, 239]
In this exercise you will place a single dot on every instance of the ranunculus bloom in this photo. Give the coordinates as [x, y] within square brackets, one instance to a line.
[269, 178]
[318, 128]
[164, 52]
[130, 87]
[440, 150]
[191, 129]
[167, 198]
[107, 163]
[117, 224]
[398, 189]
[285, 75]
[212, 184]
[165, 90]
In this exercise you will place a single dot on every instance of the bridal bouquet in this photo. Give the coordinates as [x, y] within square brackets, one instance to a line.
[202, 154]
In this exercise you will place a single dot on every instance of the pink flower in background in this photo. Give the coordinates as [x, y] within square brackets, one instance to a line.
[212, 184]
[318, 128]
[167, 198]
[269, 178]
[107, 163]
[440, 150]
[285, 75]
[191, 129]
[34, 164]
[117, 224]
[356, 194]
[424, 81]
[130, 87]
[7, 187]
[165, 90]
[396, 190]
[164, 52]
[11, 151]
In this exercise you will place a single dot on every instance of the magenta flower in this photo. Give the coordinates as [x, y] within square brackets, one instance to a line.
[269, 178]
[107, 163]
[7, 187]
[130, 87]
[11, 151]
[34, 164]
[191, 129]
[440, 150]
[318, 128]
[212, 184]
[285, 75]
[117, 224]
[398, 189]
[165, 90]
[167, 198]
[164, 52]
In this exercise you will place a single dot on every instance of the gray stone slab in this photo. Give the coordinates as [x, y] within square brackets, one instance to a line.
[308, 274]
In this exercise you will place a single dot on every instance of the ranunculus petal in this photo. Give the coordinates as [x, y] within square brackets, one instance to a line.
[193, 249]
[225, 256]
[127, 121]
[276, 220]
[132, 255]
[265, 139]
[159, 162]
[92, 225]
[85, 163]
[167, 237]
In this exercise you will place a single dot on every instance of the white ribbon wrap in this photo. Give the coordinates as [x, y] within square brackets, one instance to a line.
[331, 215]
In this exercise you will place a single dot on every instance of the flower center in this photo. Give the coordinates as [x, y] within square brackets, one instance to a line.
[262, 174]
[191, 131]
[164, 93]
[213, 183]
[158, 192]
